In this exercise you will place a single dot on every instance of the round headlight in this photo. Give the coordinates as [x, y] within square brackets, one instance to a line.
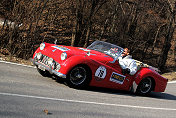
[50, 61]
[39, 55]
[63, 56]
[42, 46]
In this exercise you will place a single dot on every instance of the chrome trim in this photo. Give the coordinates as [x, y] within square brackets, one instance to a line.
[49, 69]
[113, 60]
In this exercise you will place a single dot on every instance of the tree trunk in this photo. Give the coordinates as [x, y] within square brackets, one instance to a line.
[87, 36]
[167, 45]
[77, 31]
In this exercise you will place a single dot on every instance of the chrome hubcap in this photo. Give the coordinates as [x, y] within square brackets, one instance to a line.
[78, 75]
[146, 85]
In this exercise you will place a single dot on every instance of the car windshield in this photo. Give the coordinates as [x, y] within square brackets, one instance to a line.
[106, 48]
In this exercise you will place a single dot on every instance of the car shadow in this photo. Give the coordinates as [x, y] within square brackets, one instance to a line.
[165, 96]
[156, 95]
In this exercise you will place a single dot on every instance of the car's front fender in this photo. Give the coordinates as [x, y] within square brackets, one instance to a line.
[71, 62]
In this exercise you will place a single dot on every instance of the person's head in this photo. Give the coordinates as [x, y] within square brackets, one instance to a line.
[125, 52]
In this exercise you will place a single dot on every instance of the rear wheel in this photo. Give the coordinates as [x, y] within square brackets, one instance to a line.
[145, 86]
[79, 77]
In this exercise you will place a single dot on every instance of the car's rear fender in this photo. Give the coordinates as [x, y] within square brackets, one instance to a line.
[159, 82]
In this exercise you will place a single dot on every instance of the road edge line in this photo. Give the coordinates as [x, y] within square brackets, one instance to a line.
[7, 62]
[87, 102]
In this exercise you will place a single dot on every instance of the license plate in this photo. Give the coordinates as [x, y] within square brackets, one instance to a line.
[41, 67]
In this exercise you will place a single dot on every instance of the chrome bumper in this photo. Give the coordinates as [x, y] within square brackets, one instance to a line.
[51, 71]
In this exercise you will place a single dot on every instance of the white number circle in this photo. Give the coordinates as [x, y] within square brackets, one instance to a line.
[101, 72]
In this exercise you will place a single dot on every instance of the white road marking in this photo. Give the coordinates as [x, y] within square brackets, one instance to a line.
[87, 102]
[17, 64]
[77, 101]
[172, 82]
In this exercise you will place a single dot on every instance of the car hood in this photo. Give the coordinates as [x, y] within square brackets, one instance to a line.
[56, 50]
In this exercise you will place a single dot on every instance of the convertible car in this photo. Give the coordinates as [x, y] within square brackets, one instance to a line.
[97, 65]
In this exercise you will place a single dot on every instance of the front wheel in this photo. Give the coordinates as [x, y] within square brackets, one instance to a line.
[79, 77]
[145, 86]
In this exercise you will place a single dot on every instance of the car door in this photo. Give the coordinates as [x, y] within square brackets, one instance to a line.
[116, 77]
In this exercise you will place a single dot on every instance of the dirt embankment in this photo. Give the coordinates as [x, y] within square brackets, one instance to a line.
[170, 75]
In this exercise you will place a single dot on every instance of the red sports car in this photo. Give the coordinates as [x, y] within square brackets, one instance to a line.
[97, 65]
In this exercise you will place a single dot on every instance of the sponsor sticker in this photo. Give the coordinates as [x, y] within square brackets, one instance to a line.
[100, 73]
[60, 48]
[117, 78]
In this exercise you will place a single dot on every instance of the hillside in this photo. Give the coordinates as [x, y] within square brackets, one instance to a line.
[146, 27]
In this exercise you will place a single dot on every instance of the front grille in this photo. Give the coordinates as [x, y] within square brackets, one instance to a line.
[44, 61]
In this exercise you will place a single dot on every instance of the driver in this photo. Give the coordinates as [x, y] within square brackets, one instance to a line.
[127, 64]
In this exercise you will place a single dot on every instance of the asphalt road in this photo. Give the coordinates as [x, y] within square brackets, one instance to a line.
[24, 93]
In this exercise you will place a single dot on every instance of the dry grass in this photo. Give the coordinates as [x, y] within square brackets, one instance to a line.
[15, 60]
[170, 76]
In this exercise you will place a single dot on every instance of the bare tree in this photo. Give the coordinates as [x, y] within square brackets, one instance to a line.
[85, 10]
[146, 27]
[168, 37]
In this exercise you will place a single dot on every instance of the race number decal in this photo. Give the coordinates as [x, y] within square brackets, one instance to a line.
[60, 48]
[100, 72]
[117, 78]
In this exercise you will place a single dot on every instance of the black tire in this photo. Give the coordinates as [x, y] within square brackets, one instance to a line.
[43, 73]
[79, 77]
[145, 86]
